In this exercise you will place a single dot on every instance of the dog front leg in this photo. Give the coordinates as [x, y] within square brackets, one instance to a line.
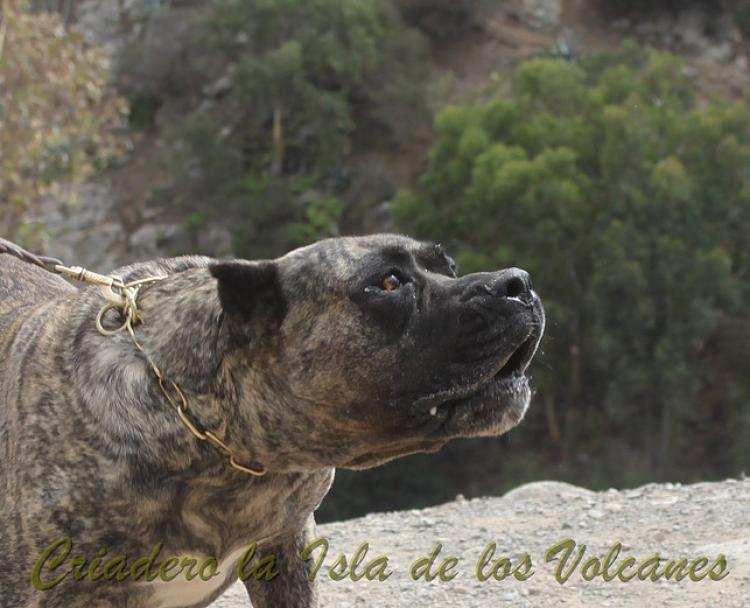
[292, 587]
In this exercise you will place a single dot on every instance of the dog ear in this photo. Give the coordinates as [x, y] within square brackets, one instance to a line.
[249, 291]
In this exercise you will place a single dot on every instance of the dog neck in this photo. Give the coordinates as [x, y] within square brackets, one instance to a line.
[181, 333]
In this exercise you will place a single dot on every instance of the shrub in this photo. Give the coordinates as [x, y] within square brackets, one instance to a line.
[54, 129]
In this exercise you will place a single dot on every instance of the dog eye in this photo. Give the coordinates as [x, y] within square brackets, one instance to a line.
[391, 283]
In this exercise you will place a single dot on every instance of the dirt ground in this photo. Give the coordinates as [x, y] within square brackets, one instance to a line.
[708, 520]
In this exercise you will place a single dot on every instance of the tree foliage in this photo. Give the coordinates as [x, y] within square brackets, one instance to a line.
[58, 118]
[308, 77]
[630, 206]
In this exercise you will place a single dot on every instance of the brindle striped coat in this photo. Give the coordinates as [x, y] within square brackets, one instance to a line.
[347, 353]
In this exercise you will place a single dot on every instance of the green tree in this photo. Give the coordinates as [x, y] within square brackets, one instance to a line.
[629, 205]
[308, 78]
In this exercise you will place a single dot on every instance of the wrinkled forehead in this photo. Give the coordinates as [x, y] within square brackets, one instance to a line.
[340, 258]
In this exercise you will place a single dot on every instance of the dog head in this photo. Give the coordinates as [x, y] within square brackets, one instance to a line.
[354, 351]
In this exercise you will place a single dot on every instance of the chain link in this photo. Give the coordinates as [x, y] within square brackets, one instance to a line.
[123, 297]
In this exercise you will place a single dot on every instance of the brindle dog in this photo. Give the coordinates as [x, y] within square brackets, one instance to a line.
[347, 353]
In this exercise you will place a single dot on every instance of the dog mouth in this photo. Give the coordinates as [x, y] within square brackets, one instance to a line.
[510, 381]
[520, 359]
[505, 387]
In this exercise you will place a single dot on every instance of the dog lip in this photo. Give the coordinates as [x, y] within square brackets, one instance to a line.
[507, 385]
[496, 382]
[509, 373]
[520, 359]
[504, 392]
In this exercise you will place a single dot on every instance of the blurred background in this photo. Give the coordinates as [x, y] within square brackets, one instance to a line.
[604, 145]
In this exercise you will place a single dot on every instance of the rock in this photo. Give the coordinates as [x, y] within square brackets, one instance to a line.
[151, 240]
[545, 490]
[111, 25]
[156, 61]
[379, 218]
[690, 28]
[621, 24]
[218, 88]
[215, 241]
[689, 71]
[646, 29]
[541, 14]
[721, 53]
[84, 231]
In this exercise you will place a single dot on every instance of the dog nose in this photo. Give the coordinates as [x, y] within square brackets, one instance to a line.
[511, 283]
[493, 288]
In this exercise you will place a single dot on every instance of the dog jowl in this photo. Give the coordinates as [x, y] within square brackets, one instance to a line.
[346, 353]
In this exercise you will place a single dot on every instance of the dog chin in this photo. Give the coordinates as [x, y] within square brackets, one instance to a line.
[493, 410]
[376, 458]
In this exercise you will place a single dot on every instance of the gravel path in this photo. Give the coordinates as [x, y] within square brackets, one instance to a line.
[673, 521]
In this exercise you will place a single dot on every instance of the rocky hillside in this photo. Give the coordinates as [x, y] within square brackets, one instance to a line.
[118, 219]
[674, 522]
